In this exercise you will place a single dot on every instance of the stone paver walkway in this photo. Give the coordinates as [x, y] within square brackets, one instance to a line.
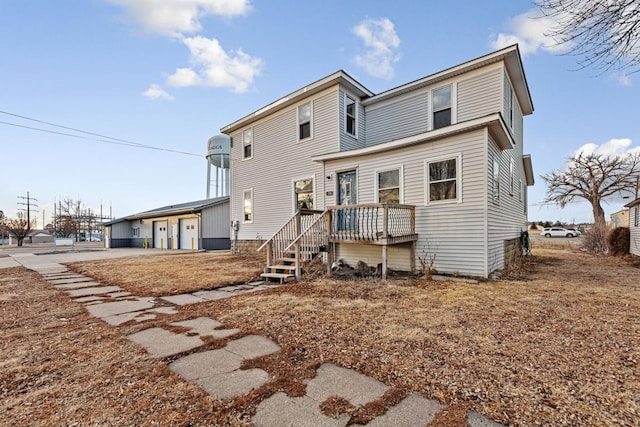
[218, 371]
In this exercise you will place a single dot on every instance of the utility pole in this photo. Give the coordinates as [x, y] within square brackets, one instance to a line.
[28, 204]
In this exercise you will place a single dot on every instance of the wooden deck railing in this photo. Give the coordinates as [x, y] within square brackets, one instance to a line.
[386, 223]
[278, 244]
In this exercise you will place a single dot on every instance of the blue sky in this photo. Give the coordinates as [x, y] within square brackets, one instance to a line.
[170, 74]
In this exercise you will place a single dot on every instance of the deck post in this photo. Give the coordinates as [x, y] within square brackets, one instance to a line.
[298, 261]
[330, 245]
[269, 253]
[385, 221]
[413, 256]
[384, 261]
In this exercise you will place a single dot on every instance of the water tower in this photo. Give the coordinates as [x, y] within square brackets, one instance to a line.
[218, 157]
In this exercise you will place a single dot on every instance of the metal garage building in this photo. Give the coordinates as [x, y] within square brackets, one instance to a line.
[203, 224]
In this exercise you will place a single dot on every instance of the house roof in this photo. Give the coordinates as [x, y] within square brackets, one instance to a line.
[339, 77]
[177, 209]
[633, 203]
[494, 122]
[528, 169]
[510, 55]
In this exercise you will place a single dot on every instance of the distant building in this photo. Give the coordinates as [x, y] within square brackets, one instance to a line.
[202, 224]
[634, 225]
[620, 218]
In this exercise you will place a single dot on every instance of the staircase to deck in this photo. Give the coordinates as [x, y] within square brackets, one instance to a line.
[297, 242]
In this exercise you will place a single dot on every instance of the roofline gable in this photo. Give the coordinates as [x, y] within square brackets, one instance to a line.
[513, 64]
[339, 77]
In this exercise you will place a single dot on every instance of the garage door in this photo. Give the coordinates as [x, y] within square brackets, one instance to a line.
[160, 235]
[189, 233]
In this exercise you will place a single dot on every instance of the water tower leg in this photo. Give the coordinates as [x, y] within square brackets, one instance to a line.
[208, 178]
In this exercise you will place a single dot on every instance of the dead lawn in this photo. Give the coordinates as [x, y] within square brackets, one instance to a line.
[59, 366]
[173, 274]
[559, 348]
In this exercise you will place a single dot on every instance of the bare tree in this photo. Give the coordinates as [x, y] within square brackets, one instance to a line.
[594, 178]
[19, 227]
[604, 33]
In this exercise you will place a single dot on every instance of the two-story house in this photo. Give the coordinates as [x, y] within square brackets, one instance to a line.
[432, 170]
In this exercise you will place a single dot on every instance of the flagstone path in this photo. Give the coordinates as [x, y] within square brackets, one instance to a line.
[219, 372]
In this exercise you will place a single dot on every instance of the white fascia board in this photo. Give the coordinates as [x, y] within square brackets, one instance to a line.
[528, 169]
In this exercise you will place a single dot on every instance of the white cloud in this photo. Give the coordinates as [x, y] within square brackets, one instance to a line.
[382, 42]
[612, 147]
[531, 31]
[156, 92]
[177, 17]
[212, 66]
[622, 78]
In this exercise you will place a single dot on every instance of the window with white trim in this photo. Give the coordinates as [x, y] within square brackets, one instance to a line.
[496, 180]
[303, 190]
[510, 101]
[136, 232]
[636, 221]
[443, 180]
[441, 107]
[350, 116]
[248, 205]
[247, 144]
[512, 178]
[389, 186]
[305, 121]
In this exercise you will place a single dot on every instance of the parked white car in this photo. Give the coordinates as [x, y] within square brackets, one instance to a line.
[559, 232]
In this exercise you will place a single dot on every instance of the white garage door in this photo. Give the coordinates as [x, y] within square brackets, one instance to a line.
[160, 235]
[189, 233]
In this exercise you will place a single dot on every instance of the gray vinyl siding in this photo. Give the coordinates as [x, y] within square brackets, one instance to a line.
[215, 221]
[517, 129]
[405, 116]
[121, 230]
[507, 218]
[634, 231]
[278, 158]
[452, 232]
[348, 142]
[480, 95]
[398, 256]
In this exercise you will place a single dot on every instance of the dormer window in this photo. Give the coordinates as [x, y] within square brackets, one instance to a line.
[441, 107]
[305, 119]
[350, 115]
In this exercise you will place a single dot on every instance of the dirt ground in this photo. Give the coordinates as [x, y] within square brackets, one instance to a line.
[557, 344]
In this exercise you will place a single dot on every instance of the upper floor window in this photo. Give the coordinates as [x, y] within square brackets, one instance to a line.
[636, 221]
[303, 190]
[248, 205]
[443, 180]
[496, 180]
[389, 186]
[510, 101]
[247, 144]
[305, 121]
[441, 107]
[512, 178]
[350, 115]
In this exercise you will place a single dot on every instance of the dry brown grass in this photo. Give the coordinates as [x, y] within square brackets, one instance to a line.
[173, 274]
[559, 348]
[58, 366]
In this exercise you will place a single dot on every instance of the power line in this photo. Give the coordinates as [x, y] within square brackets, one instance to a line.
[109, 140]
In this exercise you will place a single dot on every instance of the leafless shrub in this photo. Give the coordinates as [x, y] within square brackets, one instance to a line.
[618, 241]
[593, 240]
